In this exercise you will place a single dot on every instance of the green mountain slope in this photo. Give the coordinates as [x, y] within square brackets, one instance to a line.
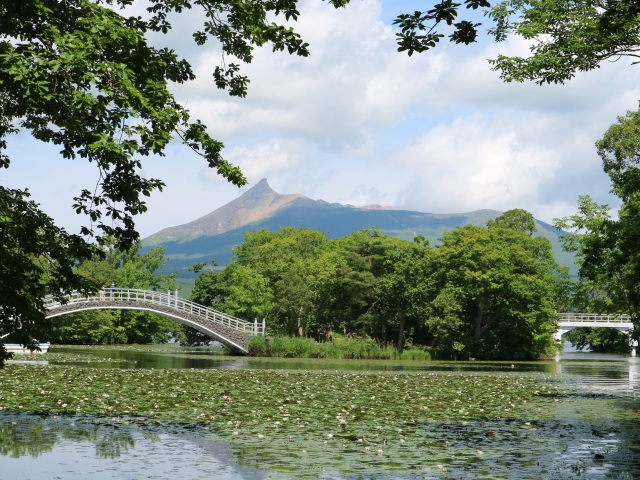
[213, 236]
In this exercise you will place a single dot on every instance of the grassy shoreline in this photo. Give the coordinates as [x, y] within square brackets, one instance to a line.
[339, 348]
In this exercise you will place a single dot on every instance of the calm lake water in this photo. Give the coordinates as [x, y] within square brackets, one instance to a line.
[599, 443]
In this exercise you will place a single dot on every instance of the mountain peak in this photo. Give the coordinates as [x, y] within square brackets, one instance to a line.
[261, 187]
[259, 202]
[259, 193]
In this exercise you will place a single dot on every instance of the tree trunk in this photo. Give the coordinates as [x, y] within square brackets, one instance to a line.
[299, 326]
[483, 322]
[479, 314]
[401, 318]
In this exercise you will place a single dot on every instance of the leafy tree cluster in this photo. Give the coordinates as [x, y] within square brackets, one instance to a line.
[484, 292]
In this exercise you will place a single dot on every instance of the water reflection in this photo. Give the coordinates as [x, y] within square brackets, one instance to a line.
[24, 438]
[94, 448]
[606, 374]
[212, 359]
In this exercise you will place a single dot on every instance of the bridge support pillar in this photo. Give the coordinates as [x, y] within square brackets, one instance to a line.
[561, 331]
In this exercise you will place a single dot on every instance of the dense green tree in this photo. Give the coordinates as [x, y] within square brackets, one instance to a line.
[36, 258]
[274, 275]
[497, 292]
[404, 286]
[515, 219]
[356, 297]
[378, 288]
[449, 331]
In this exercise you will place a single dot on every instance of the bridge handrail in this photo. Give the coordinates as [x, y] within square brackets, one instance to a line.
[158, 298]
[594, 317]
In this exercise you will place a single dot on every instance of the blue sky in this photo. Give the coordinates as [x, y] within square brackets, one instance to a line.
[359, 123]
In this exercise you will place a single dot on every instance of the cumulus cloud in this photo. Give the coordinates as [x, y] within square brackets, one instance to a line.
[474, 163]
[353, 83]
[265, 159]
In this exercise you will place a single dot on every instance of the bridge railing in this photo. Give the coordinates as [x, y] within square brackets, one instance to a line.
[594, 318]
[168, 299]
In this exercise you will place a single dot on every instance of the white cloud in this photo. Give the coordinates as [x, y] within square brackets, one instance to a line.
[359, 123]
[353, 84]
[474, 163]
[264, 159]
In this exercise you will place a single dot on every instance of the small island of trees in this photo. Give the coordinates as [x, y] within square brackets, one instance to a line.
[486, 292]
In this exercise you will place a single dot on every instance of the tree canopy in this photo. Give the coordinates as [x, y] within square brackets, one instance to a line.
[566, 36]
[497, 290]
[36, 258]
[485, 292]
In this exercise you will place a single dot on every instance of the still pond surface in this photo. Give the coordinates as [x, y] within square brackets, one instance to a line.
[595, 434]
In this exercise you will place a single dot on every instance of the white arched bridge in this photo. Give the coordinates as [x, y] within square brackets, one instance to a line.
[621, 322]
[230, 331]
